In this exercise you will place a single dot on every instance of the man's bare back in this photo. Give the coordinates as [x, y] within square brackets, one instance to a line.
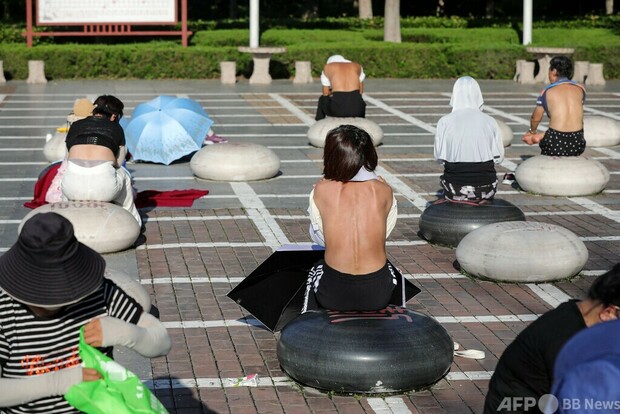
[354, 216]
[565, 103]
[344, 77]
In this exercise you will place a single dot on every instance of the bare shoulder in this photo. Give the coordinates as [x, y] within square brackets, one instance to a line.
[324, 185]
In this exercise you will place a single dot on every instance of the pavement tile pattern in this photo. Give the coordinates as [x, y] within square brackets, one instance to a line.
[189, 258]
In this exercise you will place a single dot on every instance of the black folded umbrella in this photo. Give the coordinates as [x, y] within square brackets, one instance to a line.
[274, 292]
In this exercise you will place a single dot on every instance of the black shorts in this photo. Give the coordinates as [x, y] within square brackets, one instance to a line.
[341, 105]
[562, 144]
[330, 289]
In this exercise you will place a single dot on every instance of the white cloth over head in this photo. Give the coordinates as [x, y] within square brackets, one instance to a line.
[466, 94]
[338, 59]
[467, 134]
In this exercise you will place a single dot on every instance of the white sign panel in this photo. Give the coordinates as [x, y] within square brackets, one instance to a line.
[59, 12]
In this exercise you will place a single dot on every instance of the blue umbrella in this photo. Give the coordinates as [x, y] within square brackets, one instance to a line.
[166, 128]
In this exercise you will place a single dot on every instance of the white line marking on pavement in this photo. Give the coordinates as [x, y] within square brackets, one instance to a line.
[251, 321]
[400, 114]
[304, 117]
[469, 376]
[549, 293]
[402, 188]
[389, 405]
[596, 208]
[264, 381]
[603, 113]
[258, 213]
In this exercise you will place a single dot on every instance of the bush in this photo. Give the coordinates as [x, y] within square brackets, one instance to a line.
[485, 53]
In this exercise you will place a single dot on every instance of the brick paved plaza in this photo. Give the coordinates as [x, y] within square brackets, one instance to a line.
[189, 258]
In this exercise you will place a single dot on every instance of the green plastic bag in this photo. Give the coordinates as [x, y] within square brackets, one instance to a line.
[119, 392]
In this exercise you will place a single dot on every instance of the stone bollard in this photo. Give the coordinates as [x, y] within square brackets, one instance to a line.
[303, 72]
[228, 72]
[2, 78]
[525, 76]
[36, 72]
[595, 75]
[581, 71]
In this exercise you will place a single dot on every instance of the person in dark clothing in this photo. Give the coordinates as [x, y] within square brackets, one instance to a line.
[343, 86]
[525, 369]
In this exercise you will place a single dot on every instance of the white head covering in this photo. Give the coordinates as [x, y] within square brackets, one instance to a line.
[466, 94]
[337, 59]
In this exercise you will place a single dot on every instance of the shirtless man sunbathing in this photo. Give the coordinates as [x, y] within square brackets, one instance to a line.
[562, 100]
[343, 86]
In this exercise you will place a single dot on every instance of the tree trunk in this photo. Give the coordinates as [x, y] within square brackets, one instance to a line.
[311, 9]
[490, 9]
[365, 9]
[441, 8]
[609, 7]
[391, 26]
[232, 9]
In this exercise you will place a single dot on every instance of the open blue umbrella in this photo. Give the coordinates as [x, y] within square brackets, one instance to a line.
[166, 128]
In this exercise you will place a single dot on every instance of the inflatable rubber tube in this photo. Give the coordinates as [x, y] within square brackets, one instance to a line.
[131, 286]
[317, 133]
[390, 350]
[447, 223]
[104, 227]
[600, 131]
[55, 149]
[506, 132]
[562, 176]
[235, 162]
[522, 252]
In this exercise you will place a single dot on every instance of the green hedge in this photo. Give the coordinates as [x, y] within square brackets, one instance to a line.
[484, 53]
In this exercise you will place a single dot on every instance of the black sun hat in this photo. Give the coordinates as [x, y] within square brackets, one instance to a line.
[48, 266]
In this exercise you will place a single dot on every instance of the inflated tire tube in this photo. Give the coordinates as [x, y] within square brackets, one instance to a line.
[522, 252]
[104, 227]
[386, 351]
[562, 176]
[447, 223]
[317, 133]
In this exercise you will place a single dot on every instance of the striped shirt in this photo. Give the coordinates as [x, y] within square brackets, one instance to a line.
[33, 345]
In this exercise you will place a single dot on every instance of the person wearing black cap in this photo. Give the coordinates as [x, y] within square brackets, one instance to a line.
[50, 286]
[96, 150]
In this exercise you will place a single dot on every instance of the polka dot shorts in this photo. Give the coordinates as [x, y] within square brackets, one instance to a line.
[562, 144]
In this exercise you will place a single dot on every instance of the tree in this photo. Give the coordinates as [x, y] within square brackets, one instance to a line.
[365, 9]
[391, 27]
[609, 6]
[441, 8]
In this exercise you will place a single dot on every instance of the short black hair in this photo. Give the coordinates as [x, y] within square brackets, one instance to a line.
[563, 65]
[606, 287]
[347, 149]
[108, 105]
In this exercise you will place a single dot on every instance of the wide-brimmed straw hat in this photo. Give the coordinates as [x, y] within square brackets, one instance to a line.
[81, 109]
[48, 266]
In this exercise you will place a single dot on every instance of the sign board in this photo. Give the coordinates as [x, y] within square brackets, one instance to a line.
[79, 12]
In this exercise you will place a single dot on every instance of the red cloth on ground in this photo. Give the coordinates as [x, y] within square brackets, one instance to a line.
[147, 198]
[172, 198]
[41, 187]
